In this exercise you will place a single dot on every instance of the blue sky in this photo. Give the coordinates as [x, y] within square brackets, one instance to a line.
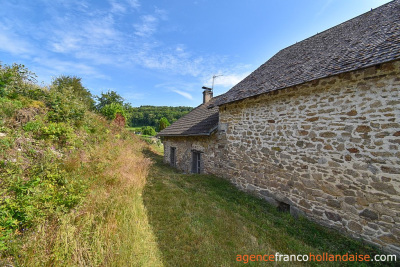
[160, 52]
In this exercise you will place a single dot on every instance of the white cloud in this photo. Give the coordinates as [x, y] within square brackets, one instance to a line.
[134, 3]
[12, 43]
[57, 67]
[229, 80]
[133, 96]
[182, 93]
[147, 27]
[117, 7]
[66, 44]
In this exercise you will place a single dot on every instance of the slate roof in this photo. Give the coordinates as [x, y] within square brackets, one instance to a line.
[200, 121]
[369, 39]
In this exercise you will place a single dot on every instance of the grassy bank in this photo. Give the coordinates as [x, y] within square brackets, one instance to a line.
[110, 227]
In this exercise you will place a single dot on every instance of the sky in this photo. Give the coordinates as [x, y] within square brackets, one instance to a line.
[160, 52]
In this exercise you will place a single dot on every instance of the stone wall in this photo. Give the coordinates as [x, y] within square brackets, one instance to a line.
[329, 148]
[208, 145]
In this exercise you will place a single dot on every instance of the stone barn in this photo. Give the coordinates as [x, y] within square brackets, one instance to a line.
[315, 129]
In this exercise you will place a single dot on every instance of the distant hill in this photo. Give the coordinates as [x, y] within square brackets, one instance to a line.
[151, 115]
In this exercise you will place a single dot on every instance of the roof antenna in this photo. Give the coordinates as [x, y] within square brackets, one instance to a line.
[215, 76]
[212, 87]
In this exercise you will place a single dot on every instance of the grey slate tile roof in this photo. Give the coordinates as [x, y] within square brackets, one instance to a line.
[369, 39]
[200, 121]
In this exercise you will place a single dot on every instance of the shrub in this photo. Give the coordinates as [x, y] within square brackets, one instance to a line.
[15, 80]
[72, 85]
[148, 130]
[64, 108]
[58, 131]
[33, 126]
[8, 107]
[164, 123]
[110, 111]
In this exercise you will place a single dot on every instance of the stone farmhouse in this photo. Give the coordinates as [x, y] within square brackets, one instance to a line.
[315, 130]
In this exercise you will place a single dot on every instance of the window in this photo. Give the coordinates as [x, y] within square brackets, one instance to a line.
[172, 156]
[196, 162]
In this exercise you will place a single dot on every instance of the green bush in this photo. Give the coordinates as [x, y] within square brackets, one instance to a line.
[164, 123]
[8, 107]
[15, 80]
[110, 111]
[64, 108]
[33, 126]
[148, 130]
[59, 131]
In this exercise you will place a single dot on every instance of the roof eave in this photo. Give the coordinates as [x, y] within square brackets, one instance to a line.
[186, 135]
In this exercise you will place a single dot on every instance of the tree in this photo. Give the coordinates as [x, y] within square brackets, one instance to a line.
[110, 111]
[73, 85]
[17, 80]
[148, 130]
[164, 123]
[108, 98]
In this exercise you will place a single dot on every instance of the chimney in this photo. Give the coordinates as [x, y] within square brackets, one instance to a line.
[207, 94]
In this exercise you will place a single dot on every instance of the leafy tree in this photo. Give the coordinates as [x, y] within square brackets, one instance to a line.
[164, 123]
[110, 111]
[73, 85]
[108, 98]
[16, 80]
[148, 130]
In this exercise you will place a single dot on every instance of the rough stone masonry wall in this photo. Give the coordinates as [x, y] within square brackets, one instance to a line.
[329, 148]
[184, 147]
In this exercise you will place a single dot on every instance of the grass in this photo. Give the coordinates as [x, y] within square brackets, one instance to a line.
[141, 212]
[134, 129]
[110, 228]
[202, 220]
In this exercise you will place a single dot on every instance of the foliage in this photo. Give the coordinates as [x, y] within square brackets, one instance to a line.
[8, 107]
[110, 111]
[110, 226]
[151, 115]
[72, 85]
[108, 98]
[41, 127]
[64, 107]
[148, 130]
[16, 80]
[164, 123]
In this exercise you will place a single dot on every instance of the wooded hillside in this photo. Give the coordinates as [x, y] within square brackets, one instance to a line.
[151, 115]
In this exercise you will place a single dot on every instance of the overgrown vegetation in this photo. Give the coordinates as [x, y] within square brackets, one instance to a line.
[53, 153]
[79, 190]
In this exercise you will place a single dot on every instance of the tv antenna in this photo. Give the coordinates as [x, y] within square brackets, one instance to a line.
[215, 76]
[212, 87]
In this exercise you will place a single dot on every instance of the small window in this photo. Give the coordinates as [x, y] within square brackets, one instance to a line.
[196, 162]
[172, 156]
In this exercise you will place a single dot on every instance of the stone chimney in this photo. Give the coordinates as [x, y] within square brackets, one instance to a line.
[207, 95]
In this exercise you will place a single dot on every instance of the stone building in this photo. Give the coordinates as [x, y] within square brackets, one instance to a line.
[315, 129]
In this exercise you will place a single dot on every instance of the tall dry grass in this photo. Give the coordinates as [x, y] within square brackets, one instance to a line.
[111, 227]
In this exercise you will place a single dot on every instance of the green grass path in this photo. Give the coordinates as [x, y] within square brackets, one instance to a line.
[202, 220]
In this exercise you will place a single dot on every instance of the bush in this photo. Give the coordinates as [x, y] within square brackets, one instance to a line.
[110, 111]
[164, 123]
[15, 80]
[64, 108]
[8, 107]
[148, 130]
